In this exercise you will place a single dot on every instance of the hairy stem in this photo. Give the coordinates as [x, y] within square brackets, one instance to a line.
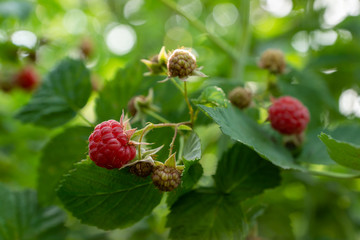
[191, 110]
[153, 126]
[173, 141]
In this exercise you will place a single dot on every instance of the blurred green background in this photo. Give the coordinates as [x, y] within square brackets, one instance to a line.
[321, 42]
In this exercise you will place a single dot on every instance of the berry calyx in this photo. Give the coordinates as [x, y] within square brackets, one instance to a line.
[273, 60]
[288, 115]
[166, 178]
[142, 168]
[240, 97]
[27, 79]
[132, 108]
[110, 146]
[181, 63]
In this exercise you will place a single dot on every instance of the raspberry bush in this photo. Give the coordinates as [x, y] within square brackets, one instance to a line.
[178, 120]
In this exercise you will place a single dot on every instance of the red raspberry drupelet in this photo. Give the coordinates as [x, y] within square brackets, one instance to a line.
[288, 115]
[110, 146]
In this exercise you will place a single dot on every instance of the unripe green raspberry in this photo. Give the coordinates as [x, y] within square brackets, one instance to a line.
[142, 169]
[166, 178]
[181, 63]
[273, 60]
[240, 97]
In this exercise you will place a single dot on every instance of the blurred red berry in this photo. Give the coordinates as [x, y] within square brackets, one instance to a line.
[288, 115]
[27, 79]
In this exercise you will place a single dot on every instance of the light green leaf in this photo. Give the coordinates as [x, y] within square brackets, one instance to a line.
[212, 97]
[58, 157]
[241, 128]
[192, 148]
[204, 214]
[64, 91]
[21, 217]
[242, 173]
[105, 198]
[343, 153]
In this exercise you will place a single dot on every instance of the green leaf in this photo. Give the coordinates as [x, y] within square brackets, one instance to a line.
[205, 214]
[343, 153]
[191, 175]
[64, 91]
[315, 152]
[116, 93]
[21, 217]
[192, 148]
[242, 173]
[105, 198]
[241, 128]
[58, 156]
[212, 97]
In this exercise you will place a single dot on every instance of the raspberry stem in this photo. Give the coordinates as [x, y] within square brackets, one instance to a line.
[173, 141]
[191, 110]
[151, 126]
[155, 115]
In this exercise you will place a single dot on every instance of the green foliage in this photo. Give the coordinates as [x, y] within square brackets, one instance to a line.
[205, 214]
[242, 173]
[21, 217]
[192, 147]
[343, 153]
[116, 93]
[64, 91]
[231, 186]
[212, 97]
[58, 157]
[105, 198]
[240, 127]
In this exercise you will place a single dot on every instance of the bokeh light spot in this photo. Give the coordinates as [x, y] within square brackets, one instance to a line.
[24, 38]
[121, 39]
[225, 14]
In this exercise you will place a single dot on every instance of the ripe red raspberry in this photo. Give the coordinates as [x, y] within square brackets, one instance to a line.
[27, 79]
[166, 178]
[110, 146]
[181, 63]
[288, 115]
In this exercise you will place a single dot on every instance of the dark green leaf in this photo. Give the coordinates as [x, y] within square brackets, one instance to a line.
[116, 94]
[64, 91]
[205, 215]
[105, 198]
[192, 148]
[241, 128]
[242, 173]
[343, 153]
[58, 157]
[21, 217]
